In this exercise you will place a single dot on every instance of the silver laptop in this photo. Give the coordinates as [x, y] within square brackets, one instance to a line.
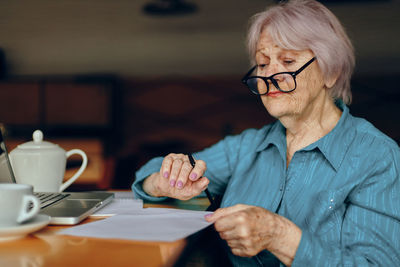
[63, 208]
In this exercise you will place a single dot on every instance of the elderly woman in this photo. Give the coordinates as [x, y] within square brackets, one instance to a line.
[318, 187]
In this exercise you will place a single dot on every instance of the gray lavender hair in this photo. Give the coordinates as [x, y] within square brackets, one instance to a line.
[307, 24]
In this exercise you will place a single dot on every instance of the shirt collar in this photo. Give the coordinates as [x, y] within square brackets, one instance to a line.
[275, 136]
[333, 145]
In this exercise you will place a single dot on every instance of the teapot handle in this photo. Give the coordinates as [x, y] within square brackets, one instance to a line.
[79, 172]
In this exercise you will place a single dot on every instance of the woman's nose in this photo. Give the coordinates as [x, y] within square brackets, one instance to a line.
[272, 69]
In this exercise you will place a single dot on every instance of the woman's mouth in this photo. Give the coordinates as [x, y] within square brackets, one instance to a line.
[274, 94]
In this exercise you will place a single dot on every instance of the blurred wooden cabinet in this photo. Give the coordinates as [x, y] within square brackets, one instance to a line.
[65, 102]
[20, 103]
[74, 112]
[77, 104]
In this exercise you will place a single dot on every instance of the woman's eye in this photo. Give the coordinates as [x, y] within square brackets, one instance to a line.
[288, 61]
[262, 66]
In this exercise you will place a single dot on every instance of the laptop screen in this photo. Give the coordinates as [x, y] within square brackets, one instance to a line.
[6, 172]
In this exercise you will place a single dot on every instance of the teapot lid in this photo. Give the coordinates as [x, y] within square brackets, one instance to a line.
[38, 142]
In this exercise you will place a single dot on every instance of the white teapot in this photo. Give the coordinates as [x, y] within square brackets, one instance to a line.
[42, 164]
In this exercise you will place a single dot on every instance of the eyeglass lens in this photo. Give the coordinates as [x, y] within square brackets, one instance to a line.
[282, 81]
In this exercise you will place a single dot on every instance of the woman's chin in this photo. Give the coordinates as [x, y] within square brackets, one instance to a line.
[277, 110]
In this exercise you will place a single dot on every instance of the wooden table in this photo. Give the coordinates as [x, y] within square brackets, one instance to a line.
[45, 248]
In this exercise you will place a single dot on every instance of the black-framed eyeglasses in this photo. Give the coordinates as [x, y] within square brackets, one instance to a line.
[283, 81]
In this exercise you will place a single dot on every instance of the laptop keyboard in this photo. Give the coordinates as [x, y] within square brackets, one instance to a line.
[46, 199]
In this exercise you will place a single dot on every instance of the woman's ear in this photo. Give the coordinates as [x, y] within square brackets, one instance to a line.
[330, 81]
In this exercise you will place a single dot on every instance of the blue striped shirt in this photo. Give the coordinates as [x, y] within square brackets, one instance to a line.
[343, 191]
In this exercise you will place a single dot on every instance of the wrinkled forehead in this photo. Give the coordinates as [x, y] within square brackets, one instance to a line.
[267, 44]
[276, 35]
[265, 40]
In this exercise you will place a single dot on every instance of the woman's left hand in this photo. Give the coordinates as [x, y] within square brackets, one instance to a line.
[250, 229]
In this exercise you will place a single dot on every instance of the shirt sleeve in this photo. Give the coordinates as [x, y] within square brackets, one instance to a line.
[223, 158]
[219, 159]
[371, 225]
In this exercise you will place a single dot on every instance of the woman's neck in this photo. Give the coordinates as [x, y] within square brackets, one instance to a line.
[313, 124]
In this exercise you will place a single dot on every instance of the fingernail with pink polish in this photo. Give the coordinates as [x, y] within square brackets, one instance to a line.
[193, 176]
[172, 183]
[180, 184]
[165, 174]
[208, 215]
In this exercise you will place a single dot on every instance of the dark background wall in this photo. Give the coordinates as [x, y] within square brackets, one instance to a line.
[58, 37]
[177, 78]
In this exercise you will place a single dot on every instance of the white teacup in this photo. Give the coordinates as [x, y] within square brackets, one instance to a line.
[17, 204]
[42, 164]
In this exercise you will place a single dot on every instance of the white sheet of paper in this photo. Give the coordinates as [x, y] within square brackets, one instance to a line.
[151, 224]
[119, 206]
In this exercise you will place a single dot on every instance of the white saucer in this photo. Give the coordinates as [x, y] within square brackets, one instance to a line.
[20, 231]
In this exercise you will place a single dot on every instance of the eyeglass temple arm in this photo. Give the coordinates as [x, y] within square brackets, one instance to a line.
[305, 66]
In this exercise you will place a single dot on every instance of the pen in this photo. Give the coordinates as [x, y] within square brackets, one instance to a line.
[193, 163]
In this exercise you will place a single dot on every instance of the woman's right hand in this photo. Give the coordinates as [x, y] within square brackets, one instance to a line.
[177, 178]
